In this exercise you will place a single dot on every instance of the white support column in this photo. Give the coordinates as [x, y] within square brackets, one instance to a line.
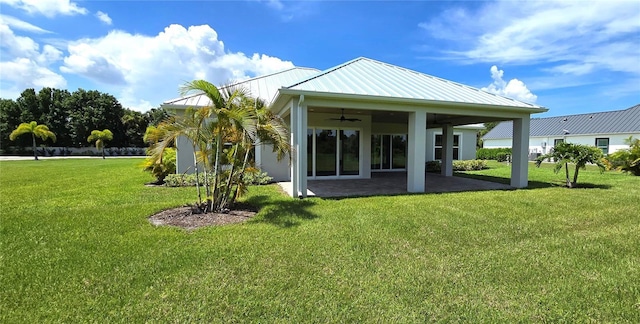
[416, 151]
[294, 119]
[446, 168]
[520, 152]
[302, 147]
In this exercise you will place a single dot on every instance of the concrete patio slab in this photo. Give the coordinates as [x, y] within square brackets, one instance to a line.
[392, 183]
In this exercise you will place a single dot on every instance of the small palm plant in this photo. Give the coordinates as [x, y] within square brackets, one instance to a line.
[100, 137]
[578, 154]
[35, 130]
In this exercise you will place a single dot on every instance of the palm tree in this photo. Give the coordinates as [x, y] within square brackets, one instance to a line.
[578, 154]
[226, 117]
[100, 137]
[35, 130]
[222, 136]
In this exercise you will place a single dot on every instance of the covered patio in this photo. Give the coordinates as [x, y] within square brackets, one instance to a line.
[391, 183]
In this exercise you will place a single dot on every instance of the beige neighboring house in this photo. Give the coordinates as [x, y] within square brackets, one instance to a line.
[366, 116]
[606, 130]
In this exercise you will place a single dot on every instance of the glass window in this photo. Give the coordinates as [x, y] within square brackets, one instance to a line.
[310, 160]
[388, 152]
[326, 145]
[376, 151]
[399, 151]
[437, 153]
[557, 141]
[349, 152]
[603, 144]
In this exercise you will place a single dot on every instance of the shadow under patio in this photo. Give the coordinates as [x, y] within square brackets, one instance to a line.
[392, 183]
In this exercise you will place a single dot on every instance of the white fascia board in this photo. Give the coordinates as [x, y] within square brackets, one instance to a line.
[410, 101]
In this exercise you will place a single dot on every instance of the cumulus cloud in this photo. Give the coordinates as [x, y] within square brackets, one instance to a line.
[143, 71]
[25, 64]
[26, 73]
[575, 37]
[514, 89]
[104, 17]
[47, 8]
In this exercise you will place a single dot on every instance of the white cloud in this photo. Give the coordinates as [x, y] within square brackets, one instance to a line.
[143, 71]
[26, 73]
[25, 65]
[104, 17]
[47, 8]
[18, 24]
[514, 89]
[573, 36]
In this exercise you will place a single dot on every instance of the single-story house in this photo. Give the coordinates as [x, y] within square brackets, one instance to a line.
[605, 130]
[366, 116]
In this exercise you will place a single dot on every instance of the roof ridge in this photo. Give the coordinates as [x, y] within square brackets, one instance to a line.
[327, 71]
[235, 83]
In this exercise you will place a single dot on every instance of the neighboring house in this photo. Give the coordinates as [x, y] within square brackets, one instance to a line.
[605, 130]
[394, 119]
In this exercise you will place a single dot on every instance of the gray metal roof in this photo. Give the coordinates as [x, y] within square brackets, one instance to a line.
[364, 76]
[608, 122]
[264, 87]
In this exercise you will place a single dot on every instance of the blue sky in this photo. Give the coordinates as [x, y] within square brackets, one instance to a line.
[569, 56]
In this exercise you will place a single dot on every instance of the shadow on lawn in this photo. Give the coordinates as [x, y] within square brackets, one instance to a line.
[532, 184]
[282, 213]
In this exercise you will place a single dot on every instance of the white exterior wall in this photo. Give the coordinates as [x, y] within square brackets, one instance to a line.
[616, 142]
[467, 145]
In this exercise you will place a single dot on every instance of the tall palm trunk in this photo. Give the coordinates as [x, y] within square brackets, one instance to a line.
[195, 160]
[566, 170]
[216, 172]
[575, 176]
[225, 197]
[35, 153]
[241, 178]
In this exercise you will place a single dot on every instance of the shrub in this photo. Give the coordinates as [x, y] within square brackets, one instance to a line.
[461, 165]
[502, 156]
[250, 177]
[433, 166]
[627, 160]
[492, 153]
[256, 177]
[162, 170]
[469, 165]
[64, 151]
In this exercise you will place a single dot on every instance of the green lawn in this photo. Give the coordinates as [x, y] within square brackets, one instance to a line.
[76, 246]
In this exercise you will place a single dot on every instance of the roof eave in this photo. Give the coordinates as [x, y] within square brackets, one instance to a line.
[285, 92]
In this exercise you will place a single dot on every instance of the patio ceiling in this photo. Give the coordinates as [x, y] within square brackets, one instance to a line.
[401, 117]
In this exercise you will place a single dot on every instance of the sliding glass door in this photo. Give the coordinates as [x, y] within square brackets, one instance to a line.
[333, 152]
[388, 152]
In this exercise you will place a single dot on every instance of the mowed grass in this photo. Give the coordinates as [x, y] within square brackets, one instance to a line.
[76, 246]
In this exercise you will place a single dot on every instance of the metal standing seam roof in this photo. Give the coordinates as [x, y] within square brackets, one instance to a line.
[608, 122]
[264, 87]
[364, 76]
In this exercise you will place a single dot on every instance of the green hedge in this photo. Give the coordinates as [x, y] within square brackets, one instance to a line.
[492, 153]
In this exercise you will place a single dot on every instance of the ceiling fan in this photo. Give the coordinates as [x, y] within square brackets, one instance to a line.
[342, 118]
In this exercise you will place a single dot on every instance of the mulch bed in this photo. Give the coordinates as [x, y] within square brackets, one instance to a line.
[189, 217]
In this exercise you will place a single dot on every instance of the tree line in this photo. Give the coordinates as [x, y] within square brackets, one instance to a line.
[72, 116]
